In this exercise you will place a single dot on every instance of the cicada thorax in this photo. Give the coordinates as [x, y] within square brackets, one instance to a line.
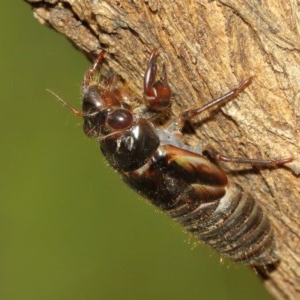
[131, 149]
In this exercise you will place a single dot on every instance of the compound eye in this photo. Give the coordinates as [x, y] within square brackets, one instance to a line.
[119, 119]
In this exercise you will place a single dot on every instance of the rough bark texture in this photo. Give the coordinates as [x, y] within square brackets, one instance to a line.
[208, 47]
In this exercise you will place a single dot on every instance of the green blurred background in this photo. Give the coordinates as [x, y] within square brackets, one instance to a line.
[69, 228]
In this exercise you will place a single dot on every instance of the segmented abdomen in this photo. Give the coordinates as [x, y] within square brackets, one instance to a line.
[234, 225]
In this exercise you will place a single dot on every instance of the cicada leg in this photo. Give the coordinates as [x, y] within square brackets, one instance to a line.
[88, 77]
[272, 162]
[191, 113]
[157, 92]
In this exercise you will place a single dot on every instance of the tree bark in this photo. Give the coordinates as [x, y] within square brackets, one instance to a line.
[208, 48]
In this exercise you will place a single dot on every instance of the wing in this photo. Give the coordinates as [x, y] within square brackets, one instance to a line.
[192, 167]
[175, 177]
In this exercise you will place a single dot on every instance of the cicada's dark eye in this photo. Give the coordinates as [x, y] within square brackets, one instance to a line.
[119, 119]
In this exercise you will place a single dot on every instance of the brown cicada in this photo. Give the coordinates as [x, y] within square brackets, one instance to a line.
[184, 182]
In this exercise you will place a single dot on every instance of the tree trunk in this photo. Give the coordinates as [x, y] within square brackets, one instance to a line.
[208, 48]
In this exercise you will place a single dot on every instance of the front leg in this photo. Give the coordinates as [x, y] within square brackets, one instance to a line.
[157, 93]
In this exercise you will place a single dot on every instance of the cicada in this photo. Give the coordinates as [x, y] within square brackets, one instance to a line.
[186, 183]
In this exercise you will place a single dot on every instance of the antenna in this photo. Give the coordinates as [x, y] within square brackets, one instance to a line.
[73, 110]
